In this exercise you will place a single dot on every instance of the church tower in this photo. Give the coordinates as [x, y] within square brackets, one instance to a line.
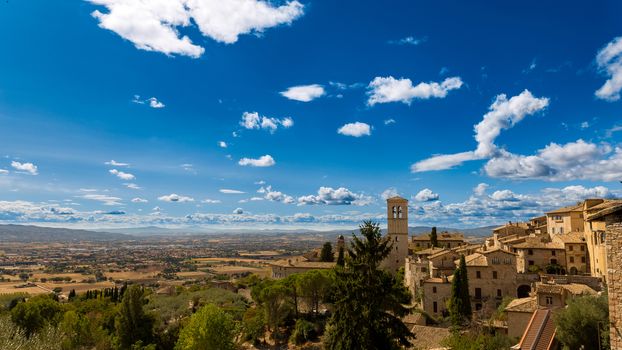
[397, 232]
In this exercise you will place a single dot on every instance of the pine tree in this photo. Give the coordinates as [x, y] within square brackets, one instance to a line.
[369, 302]
[434, 237]
[132, 324]
[341, 261]
[326, 254]
[72, 294]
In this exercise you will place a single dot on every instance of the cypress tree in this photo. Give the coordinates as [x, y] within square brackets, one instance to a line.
[460, 301]
[464, 288]
[326, 254]
[341, 261]
[434, 237]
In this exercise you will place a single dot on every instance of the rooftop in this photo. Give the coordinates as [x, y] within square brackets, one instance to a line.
[568, 209]
[537, 243]
[529, 304]
[603, 209]
[442, 236]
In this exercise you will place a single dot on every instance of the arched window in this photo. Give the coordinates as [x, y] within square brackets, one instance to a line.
[394, 212]
[399, 212]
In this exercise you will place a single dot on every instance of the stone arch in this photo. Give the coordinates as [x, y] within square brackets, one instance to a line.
[523, 291]
[399, 212]
[573, 271]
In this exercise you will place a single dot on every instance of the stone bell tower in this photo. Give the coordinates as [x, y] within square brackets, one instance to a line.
[397, 233]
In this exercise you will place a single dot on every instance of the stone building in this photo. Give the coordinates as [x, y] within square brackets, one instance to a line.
[565, 220]
[613, 232]
[575, 247]
[436, 293]
[445, 240]
[397, 233]
[598, 214]
[538, 253]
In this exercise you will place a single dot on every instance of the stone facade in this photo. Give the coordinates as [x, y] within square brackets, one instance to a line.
[565, 220]
[445, 240]
[536, 253]
[614, 285]
[436, 293]
[397, 233]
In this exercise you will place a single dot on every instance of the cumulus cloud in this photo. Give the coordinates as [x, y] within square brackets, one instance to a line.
[503, 114]
[274, 195]
[480, 189]
[27, 168]
[117, 164]
[154, 25]
[426, 195]
[339, 196]
[238, 211]
[122, 175]
[173, 197]
[388, 193]
[356, 129]
[253, 121]
[210, 201]
[389, 89]
[153, 102]
[609, 61]
[229, 191]
[304, 93]
[139, 200]
[222, 144]
[3, 171]
[263, 161]
[132, 186]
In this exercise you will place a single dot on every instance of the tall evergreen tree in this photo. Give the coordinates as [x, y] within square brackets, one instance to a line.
[460, 301]
[341, 260]
[132, 324]
[369, 302]
[326, 254]
[434, 237]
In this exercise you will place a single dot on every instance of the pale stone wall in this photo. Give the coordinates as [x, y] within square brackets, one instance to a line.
[614, 285]
[492, 290]
[517, 323]
[397, 233]
[436, 291]
[539, 257]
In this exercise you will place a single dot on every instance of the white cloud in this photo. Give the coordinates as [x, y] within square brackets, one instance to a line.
[106, 199]
[275, 196]
[154, 103]
[388, 193]
[426, 195]
[117, 164]
[173, 197]
[222, 144]
[263, 161]
[503, 114]
[609, 60]
[210, 201]
[238, 211]
[585, 125]
[228, 191]
[3, 171]
[389, 121]
[389, 89]
[339, 196]
[356, 129]
[252, 120]
[133, 186]
[480, 189]
[304, 93]
[189, 168]
[409, 40]
[139, 200]
[25, 167]
[153, 25]
[122, 175]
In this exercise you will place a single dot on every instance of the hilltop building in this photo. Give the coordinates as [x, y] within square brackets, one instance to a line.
[397, 233]
[445, 240]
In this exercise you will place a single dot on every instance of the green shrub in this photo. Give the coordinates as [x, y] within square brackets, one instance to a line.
[304, 331]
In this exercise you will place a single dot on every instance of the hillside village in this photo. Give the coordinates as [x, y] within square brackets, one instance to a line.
[539, 265]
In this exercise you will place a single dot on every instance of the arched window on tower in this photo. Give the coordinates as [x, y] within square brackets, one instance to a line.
[394, 212]
[399, 212]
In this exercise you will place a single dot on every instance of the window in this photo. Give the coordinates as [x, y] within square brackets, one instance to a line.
[435, 306]
[478, 293]
[549, 300]
[561, 230]
[478, 274]
[424, 269]
[553, 252]
[478, 306]
[583, 247]
[433, 289]
[531, 263]
[583, 259]
[495, 260]
[530, 251]
[570, 247]
[572, 259]
[494, 275]
[399, 212]
[553, 261]
[499, 293]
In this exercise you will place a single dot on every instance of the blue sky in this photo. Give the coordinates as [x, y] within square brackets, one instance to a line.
[325, 108]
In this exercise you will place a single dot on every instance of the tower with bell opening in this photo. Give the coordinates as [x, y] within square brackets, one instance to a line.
[397, 233]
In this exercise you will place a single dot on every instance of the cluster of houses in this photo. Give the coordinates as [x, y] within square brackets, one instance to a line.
[540, 264]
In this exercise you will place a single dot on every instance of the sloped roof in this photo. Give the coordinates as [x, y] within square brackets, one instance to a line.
[442, 236]
[568, 209]
[528, 304]
[572, 237]
[429, 337]
[537, 243]
[606, 208]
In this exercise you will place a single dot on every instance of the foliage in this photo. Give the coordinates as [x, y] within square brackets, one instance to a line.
[459, 304]
[434, 237]
[326, 254]
[15, 338]
[253, 325]
[315, 286]
[133, 324]
[209, 329]
[304, 331]
[478, 341]
[585, 322]
[369, 302]
[36, 313]
[341, 261]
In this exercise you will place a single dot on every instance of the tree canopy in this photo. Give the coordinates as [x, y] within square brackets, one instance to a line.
[585, 322]
[210, 328]
[326, 254]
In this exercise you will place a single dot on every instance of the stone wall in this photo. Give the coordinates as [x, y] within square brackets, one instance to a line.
[614, 286]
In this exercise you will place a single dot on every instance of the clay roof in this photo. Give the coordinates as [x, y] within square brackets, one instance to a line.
[429, 337]
[529, 304]
[429, 251]
[476, 259]
[605, 208]
[572, 237]
[442, 236]
[441, 253]
[536, 243]
[568, 209]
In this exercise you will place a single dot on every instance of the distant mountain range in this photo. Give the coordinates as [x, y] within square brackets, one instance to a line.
[27, 233]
